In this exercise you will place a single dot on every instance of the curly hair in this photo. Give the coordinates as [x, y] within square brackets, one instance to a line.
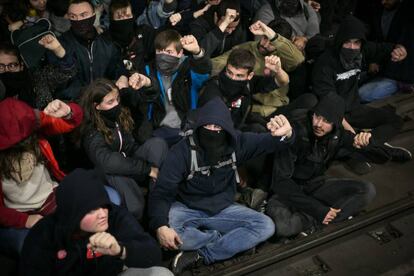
[94, 95]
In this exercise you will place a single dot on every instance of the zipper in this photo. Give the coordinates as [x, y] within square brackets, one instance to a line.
[120, 140]
[90, 55]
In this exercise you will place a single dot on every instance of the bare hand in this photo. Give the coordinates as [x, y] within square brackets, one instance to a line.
[104, 243]
[175, 18]
[154, 172]
[57, 109]
[300, 42]
[168, 238]
[273, 63]
[32, 220]
[230, 16]
[260, 28]
[399, 53]
[137, 81]
[362, 139]
[331, 215]
[190, 43]
[122, 82]
[279, 126]
[373, 68]
[51, 43]
[315, 5]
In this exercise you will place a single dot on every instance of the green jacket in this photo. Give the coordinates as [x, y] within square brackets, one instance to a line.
[290, 57]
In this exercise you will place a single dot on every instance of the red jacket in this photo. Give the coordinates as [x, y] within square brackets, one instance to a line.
[48, 126]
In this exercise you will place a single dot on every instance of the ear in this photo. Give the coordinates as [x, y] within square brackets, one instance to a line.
[250, 76]
[97, 106]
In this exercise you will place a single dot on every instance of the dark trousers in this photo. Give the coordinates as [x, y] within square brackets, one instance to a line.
[384, 123]
[351, 196]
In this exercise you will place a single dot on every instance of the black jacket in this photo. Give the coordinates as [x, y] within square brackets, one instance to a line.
[239, 104]
[56, 246]
[212, 39]
[117, 158]
[212, 193]
[100, 59]
[329, 76]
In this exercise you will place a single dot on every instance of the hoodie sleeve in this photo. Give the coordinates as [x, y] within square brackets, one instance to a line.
[51, 126]
[112, 162]
[172, 173]
[130, 233]
[323, 79]
[377, 52]
[251, 145]
[209, 39]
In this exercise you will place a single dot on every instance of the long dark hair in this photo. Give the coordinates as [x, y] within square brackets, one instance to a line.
[9, 156]
[94, 95]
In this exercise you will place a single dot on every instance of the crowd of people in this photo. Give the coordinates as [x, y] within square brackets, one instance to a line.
[199, 127]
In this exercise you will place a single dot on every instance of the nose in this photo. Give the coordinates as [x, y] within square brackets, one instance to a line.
[101, 213]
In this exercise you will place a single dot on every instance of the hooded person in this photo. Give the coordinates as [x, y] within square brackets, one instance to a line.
[304, 198]
[88, 235]
[338, 70]
[193, 198]
[29, 172]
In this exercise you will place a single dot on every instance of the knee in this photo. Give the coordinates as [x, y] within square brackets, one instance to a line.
[265, 226]
[369, 191]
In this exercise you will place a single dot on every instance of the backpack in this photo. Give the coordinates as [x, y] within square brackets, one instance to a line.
[27, 41]
[205, 170]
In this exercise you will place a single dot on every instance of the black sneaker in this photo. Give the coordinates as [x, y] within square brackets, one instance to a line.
[398, 154]
[184, 260]
[358, 166]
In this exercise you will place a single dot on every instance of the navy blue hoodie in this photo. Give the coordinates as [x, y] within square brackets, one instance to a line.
[212, 193]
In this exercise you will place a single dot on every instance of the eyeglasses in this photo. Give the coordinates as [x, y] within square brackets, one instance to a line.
[12, 67]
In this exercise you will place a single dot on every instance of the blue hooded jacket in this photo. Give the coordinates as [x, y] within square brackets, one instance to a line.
[209, 193]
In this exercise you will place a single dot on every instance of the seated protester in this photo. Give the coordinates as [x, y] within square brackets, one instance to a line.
[177, 79]
[87, 235]
[222, 32]
[35, 87]
[110, 146]
[337, 71]
[156, 13]
[187, 11]
[136, 43]
[236, 84]
[192, 205]
[95, 56]
[271, 43]
[392, 23]
[304, 198]
[29, 172]
[299, 14]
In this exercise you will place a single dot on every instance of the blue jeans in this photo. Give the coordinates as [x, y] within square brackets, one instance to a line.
[221, 236]
[377, 89]
[114, 196]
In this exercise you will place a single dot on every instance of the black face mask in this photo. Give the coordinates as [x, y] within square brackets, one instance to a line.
[350, 58]
[84, 28]
[231, 88]
[16, 83]
[289, 8]
[214, 143]
[112, 114]
[166, 64]
[122, 31]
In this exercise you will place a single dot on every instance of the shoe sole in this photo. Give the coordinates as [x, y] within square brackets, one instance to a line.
[401, 148]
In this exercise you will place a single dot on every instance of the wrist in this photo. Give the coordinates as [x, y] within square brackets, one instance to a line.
[59, 52]
[272, 37]
[69, 115]
[121, 252]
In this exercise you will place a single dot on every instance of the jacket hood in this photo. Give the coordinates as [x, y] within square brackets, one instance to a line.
[350, 28]
[332, 108]
[17, 122]
[79, 193]
[216, 112]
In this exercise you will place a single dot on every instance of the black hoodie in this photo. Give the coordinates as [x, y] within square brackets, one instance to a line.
[329, 76]
[56, 246]
[212, 193]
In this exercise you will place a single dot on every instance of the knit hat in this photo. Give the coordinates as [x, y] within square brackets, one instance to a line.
[17, 122]
[332, 108]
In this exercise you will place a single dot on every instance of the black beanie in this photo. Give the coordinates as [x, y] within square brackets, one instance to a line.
[332, 108]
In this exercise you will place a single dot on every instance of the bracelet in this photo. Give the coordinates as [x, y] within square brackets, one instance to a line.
[274, 38]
